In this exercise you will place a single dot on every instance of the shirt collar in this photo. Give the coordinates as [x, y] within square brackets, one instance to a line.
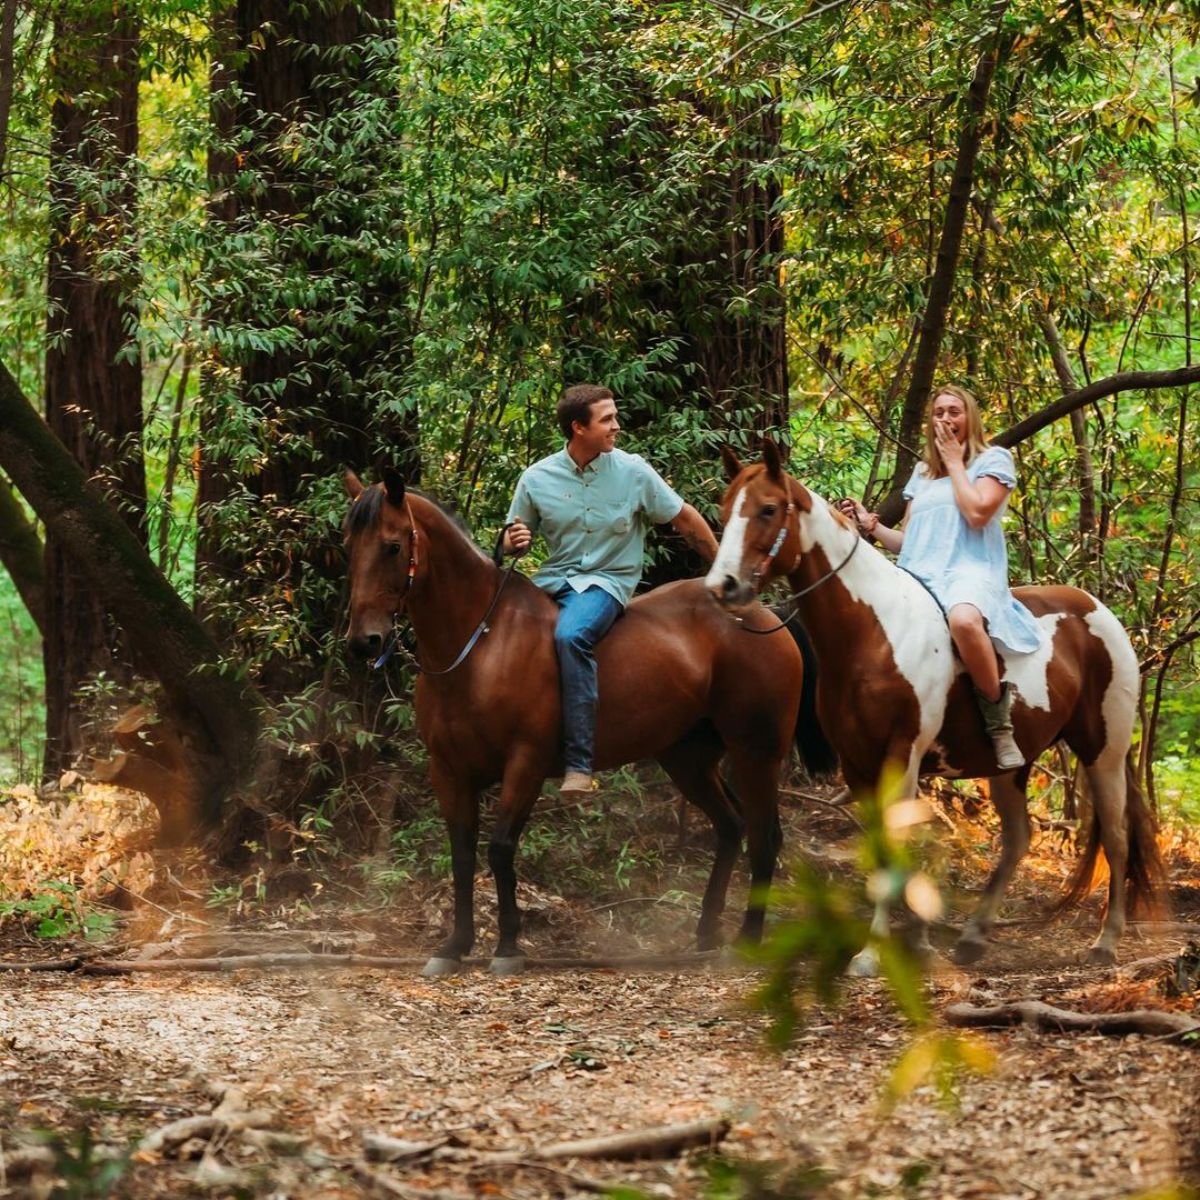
[569, 462]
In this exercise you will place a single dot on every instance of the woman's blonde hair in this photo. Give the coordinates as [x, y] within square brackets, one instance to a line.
[976, 442]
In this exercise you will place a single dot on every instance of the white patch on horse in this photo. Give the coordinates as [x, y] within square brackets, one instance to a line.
[1030, 673]
[732, 547]
[1120, 697]
[909, 616]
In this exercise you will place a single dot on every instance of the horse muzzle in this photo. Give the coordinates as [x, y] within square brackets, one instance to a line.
[731, 592]
[365, 645]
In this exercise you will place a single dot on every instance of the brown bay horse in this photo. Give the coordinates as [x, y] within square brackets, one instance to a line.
[679, 682]
[890, 690]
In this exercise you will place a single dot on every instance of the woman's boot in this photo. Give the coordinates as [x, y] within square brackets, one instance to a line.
[997, 720]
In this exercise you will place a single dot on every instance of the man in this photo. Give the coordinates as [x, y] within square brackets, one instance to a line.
[593, 504]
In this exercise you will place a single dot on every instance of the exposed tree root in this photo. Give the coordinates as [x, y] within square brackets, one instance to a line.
[1061, 1020]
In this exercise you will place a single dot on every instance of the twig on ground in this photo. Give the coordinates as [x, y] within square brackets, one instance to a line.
[585, 1183]
[378, 1147]
[50, 964]
[839, 807]
[663, 1141]
[244, 962]
[690, 907]
[387, 1186]
[1047, 1017]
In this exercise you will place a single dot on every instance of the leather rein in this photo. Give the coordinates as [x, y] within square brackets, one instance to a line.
[392, 642]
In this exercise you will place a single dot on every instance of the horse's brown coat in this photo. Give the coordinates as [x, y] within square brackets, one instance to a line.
[679, 681]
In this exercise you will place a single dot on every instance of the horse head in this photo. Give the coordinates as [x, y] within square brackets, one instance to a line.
[771, 521]
[381, 541]
[759, 514]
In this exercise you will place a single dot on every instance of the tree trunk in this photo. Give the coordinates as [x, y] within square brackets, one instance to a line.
[93, 370]
[722, 298]
[314, 421]
[8, 28]
[21, 554]
[941, 287]
[1083, 453]
[216, 714]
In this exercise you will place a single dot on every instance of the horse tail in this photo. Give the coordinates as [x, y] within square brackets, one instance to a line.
[818, 756]
[1145, 874]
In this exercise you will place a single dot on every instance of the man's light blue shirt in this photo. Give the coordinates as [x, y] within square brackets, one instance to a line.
[594, 520]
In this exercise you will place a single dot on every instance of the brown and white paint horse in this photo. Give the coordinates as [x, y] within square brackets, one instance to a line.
[890, 690]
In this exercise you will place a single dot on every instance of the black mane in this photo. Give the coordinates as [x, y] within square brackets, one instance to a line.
[364, 512]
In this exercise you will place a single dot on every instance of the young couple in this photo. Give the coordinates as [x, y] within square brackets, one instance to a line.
[593, 504]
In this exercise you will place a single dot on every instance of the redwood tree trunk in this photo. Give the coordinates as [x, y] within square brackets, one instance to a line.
[93, 371]
[315, 426]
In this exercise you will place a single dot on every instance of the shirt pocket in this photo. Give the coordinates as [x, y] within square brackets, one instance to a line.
[617, 516]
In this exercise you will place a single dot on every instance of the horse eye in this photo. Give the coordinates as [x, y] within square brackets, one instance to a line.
[391, 549]
[768, 510]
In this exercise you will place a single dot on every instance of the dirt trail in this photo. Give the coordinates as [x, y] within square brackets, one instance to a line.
[517, 1063]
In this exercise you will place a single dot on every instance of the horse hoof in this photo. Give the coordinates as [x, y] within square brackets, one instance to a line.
[511, 965]
[439, 968]
[1102, 956]
[864, 965]
[967, 951]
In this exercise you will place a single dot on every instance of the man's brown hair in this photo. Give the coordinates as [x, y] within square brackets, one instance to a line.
[576, 405]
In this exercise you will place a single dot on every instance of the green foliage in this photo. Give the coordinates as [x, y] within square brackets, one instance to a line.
[59, 911]
[491, 199]
[85, 1170]
[808, 953]
[22, 709]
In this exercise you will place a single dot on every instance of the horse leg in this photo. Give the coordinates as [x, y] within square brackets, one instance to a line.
[1106, 782]
[756, 781]
[865, 964]
[460, 810]
[519, 791]
[692, 767]
[1008, 797]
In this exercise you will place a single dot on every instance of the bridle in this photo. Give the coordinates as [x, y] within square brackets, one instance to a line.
[793, 598]
[392, 642]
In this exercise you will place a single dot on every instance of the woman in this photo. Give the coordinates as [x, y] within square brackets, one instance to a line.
[953, 543]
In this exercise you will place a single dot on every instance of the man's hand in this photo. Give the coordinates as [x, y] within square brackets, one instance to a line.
[518, 538]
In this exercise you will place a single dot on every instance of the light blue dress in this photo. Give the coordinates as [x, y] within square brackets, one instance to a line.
[961, 565]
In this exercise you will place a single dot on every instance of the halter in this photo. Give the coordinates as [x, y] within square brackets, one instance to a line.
[794, 598]
[392, 641]
[776, 546]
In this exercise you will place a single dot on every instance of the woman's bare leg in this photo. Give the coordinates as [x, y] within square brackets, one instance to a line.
[975, 649]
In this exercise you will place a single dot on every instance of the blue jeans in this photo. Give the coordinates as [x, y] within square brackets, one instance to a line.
[583, 619]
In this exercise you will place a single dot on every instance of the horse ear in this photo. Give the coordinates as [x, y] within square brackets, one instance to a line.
[773, 458]
[733, 466]
[393, 485]
[354, 485]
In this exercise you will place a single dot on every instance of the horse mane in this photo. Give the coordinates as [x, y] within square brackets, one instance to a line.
[365, 513]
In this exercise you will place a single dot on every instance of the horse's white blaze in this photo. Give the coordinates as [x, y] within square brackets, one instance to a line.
[1120, 697]
[1030, 673]
[908, 615]
[732, 547]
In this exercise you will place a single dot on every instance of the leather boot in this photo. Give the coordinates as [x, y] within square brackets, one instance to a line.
[997, 720]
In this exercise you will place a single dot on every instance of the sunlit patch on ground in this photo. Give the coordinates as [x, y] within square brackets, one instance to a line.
[82, 847]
